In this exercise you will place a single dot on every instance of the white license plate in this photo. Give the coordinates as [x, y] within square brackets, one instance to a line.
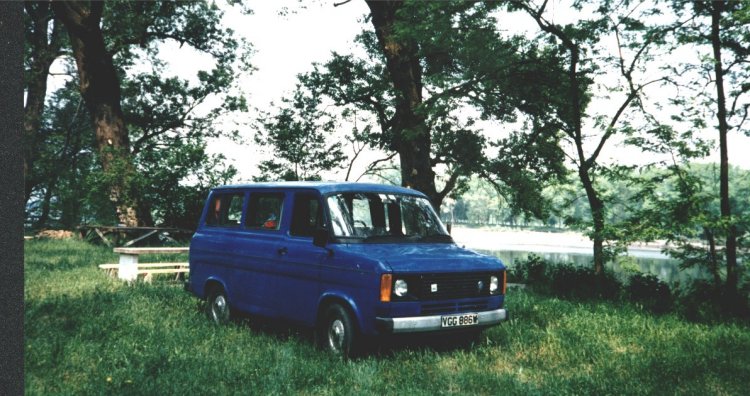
[469, 319]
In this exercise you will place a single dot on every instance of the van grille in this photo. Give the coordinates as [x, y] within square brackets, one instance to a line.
[427, 287]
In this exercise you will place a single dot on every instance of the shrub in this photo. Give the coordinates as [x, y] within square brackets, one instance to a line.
[530, 270]
[650, 292]
[701, 300]
[570, 281]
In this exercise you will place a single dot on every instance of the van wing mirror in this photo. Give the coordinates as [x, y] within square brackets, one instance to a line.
[320, 237]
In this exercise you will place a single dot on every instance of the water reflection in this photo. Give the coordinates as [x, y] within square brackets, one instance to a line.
[652, 262]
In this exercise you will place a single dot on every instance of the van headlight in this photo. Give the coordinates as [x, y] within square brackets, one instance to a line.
[400, 288]
[494, 285]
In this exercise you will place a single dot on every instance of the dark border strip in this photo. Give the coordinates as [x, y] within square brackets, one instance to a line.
[11, 199]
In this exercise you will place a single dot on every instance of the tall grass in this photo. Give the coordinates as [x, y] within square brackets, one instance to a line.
[86, 333]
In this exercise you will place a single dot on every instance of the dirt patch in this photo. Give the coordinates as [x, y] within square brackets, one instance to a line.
[55, 234]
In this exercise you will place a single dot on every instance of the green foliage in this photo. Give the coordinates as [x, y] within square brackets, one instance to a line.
[704, 301]
[168, 118]
[530, 270]
[176, 186]
[681, 205]
[65, 166]
[465, 64]
[297, 139]
[570, 281]
[649, 291]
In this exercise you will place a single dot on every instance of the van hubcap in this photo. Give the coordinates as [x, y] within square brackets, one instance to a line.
[219, 308]
[336, 335]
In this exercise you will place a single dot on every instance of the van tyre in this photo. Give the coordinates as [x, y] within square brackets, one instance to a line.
[217, 307]
[337, 332]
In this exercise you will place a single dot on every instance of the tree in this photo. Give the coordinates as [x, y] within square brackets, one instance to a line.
[421, 77]
[63, 137]
[168, 118]
[100, 88]
[297, 137]
[411, 138]
[719, 32]
[580, 45]
[721, 36]
[684, 208]
[44, 43]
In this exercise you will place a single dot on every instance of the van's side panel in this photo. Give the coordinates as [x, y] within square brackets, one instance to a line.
[206, 257]
[354, 280]
[252, 275]
[299, 279]
[239, 258]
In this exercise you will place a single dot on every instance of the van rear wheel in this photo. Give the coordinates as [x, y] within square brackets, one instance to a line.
[217, 307]
[337, 332]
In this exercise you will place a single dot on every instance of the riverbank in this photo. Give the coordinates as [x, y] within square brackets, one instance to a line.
[494, 239]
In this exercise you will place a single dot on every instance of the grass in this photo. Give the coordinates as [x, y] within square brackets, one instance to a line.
[86, 333]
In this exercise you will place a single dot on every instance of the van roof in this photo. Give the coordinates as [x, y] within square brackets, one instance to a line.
[327, 187]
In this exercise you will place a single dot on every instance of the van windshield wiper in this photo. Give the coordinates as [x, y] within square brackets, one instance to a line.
[436, 238]
[386, 237]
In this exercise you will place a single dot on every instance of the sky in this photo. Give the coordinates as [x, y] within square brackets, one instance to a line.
[287, 43]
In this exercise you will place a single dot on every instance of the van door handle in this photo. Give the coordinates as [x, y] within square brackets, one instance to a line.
[282, 251]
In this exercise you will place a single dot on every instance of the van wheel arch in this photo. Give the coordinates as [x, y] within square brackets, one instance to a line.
[210, 286]
[337, 329]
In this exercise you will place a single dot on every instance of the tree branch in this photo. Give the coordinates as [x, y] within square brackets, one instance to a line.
[449, 185]
[375, 163]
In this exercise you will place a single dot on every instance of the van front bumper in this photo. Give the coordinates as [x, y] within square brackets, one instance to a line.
[418, 324]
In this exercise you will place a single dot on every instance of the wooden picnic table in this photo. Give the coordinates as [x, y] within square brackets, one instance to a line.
[131, 235]
[128, 267]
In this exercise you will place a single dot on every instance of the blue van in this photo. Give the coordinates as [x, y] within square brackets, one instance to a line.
[352, 260]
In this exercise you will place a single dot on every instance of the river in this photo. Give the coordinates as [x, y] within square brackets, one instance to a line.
[572, 248]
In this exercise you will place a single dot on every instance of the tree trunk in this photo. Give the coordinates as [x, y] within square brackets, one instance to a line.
[584, 168]
[726, 213]
[100, 89]
[45, 47]
[411, 136]
[712, 258]
[44, 216]
[597, 215]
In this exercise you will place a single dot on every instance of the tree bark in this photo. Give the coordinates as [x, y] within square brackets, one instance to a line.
[45, 47]
[717, 8]
[100, 89]
[712, 257]
[46, 201]
[597, 215]
[411, 136]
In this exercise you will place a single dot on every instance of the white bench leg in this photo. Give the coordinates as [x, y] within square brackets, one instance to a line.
[128, 270]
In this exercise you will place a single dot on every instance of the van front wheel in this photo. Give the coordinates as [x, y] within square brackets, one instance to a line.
[337, 332]
[217, 308]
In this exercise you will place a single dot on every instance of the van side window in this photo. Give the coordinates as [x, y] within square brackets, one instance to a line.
[265, 211]
[225, 210]
[306, 215]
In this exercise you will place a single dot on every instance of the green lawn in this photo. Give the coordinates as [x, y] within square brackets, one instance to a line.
[88, 334]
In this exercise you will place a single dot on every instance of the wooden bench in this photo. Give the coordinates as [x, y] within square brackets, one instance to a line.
[148, 269]
[129, 268]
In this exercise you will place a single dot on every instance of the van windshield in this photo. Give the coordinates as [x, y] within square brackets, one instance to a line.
[374, 217]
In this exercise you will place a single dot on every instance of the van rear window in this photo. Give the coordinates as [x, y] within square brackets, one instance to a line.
[265, 211]
[225, 210]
